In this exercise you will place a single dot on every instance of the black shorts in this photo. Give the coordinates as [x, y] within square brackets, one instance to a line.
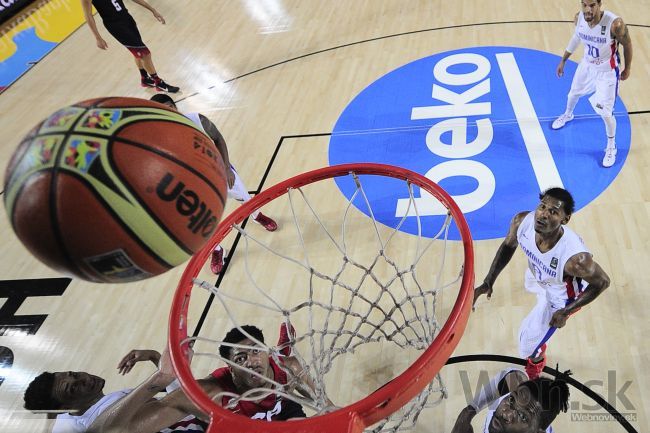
[126, 32]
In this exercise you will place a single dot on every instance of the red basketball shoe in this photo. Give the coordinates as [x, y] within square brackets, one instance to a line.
[217, 260]
[266, 222]
[534, 369]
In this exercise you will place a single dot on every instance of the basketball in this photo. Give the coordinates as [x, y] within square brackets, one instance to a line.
[115, 189]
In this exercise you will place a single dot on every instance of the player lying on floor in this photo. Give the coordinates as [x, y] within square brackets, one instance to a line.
[89, 410]
[516, 404]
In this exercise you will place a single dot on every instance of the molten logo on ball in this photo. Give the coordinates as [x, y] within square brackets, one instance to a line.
[189, 204]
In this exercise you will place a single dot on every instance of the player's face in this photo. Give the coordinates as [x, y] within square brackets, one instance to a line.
[73, 387]
[549, 215]
[517, 413]
[590, 10]
[254, 359]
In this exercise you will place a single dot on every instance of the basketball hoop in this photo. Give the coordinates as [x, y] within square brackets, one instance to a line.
[399, 310]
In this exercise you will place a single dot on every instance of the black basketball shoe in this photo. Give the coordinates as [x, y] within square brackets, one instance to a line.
[164, 87]
[147, 82]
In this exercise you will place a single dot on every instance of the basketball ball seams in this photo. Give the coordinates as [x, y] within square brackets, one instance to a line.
[179, 163]
[158, 152]
[56, 229]
[121, 223]
[124, 182]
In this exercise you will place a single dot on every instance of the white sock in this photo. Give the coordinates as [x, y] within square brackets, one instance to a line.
[610, 129]
[611, 144]
[571, 102]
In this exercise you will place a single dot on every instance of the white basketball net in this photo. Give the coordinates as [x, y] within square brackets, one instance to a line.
[356, 287]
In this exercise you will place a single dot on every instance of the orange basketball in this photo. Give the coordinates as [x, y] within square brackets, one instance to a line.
[115, 189]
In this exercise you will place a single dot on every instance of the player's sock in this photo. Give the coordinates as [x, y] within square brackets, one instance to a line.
[143, 73]
[611, 143]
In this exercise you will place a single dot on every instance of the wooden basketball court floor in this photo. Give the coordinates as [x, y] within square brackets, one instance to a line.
[262, 70]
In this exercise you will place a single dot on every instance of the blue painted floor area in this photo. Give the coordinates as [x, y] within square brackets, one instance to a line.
[402, 119]
[29, 48]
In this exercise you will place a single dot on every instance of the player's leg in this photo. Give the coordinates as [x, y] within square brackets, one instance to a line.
[535, 331]
[240, 193]
[126, 32]
[145, 79]
[581, 85]
[603, 103]
[159, 83]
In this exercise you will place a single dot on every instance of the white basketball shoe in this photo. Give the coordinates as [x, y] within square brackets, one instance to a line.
[562, 120]
[610, 157]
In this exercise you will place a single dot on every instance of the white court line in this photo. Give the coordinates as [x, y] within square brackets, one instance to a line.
[531, 130]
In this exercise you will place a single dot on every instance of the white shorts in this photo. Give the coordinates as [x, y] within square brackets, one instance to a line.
[603, 84]
[239, 191]
[535, 330]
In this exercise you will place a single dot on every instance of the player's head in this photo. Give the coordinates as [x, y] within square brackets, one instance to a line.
[590, 9]
[252, 357]
[163, 98]
[531, 407]
[555, 208]
[62, 390]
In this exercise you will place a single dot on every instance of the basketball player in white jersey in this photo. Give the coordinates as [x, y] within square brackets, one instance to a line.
[598, 72]
[561, 272]
[236, 188]
[516, 405]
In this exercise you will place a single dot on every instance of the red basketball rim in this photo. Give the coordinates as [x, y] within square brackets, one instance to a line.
[382, 402]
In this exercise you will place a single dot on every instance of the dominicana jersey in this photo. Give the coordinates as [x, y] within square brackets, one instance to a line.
[601, 50]
[548, 268]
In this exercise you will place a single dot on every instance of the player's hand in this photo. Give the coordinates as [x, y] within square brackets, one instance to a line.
[559, 318]
[480, 290]
[625, 74]
[101, 44]
[135, 356]
[464, 421]
[230, 175]
[560, 69]
[159, 17]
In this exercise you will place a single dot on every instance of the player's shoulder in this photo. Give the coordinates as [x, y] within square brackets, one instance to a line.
[520, 217]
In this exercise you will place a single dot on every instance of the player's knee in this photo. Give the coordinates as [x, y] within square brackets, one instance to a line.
[140, 52]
